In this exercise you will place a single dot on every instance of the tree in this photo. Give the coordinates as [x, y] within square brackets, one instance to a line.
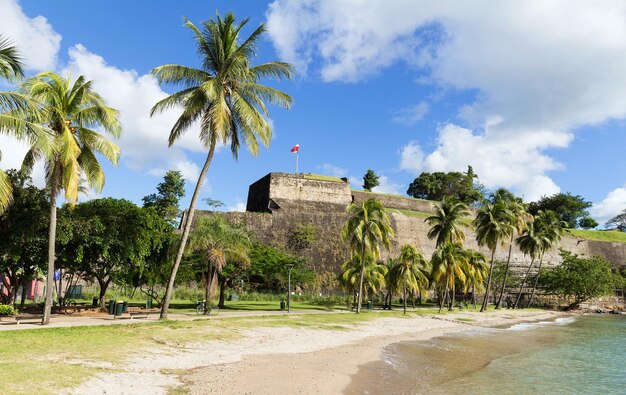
[224, 97]
[619, 221]
[365, 229]
[370, 180]
[71, 112]
[476, 271]
[220, 243]
[493, 225]
[23, 235]
[267, 268]
[108, 239]
[438, 185]
[165, 202]
[568, 207]
[587, 223]
[530, 243]
[374, 274]
[448, 264]
[580, 279]
[409, 272]
[448, 221]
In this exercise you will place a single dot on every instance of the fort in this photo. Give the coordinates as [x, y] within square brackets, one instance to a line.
[281, 203]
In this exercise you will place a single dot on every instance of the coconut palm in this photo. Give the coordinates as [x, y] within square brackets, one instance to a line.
[221, 243]
[551, 228]
[409, 272]
[365, 229]
[374, 274]
[72, 112]
[518, 219]
[224, 97]
[448, 221]
[390, 263]
[529, 243]
[448, 265]
[476, 271]
[493, 226]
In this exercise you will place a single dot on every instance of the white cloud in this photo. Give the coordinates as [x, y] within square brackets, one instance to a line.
[239, 206]
[332, 170]
[388, 186]
[411, 115]
[35, 39]
[539, 69]
[412, 158]
[613, 204]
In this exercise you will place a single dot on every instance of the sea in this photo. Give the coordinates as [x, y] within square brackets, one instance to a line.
[571, 355]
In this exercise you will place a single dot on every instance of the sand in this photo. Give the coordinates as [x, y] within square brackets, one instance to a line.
[284, 359]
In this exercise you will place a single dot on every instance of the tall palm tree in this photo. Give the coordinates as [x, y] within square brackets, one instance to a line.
[72, 112]
[224, 97]
[448, 221]
[476, 271]
[518, 219]
[365, 229]
[374, 274]
[493, 227]
[390, 263]
[409, 272]
[551, 227]
[220, 242]
[530, 243]
[448, 264]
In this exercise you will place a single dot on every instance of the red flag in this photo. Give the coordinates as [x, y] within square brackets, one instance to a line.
[295, 148]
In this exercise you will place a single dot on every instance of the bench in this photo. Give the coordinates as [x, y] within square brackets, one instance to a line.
[21, 318]
[141, 313]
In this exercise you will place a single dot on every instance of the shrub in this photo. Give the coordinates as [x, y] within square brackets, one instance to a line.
[6, 310]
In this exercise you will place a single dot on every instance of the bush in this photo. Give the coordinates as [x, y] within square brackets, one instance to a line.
[6, 310]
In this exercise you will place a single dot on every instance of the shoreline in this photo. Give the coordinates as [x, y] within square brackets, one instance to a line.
[280, 359]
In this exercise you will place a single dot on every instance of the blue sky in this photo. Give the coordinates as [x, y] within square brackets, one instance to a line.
[532, 95]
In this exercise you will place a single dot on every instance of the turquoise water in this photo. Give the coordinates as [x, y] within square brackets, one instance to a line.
[582, 355]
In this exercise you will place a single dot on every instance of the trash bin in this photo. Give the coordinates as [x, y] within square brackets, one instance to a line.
[94, 301]
[119, 308]
[370, 305]
[125, 307]
[282, 304]
[111, 307]
[148, 303]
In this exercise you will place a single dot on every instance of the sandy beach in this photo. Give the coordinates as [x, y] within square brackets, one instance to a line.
[270, 360]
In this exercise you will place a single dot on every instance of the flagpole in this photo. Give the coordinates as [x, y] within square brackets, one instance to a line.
[297, 162]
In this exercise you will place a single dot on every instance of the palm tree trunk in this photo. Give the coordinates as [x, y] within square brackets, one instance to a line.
[445, 298]
[451, 306]
[474, 296]
[222, 291]
[404, 297]
[486, 299]
[360, 296]
[52, 234]
[532, 293]
[186, 228]
[209, 284]
[506, 272]
[521, 287]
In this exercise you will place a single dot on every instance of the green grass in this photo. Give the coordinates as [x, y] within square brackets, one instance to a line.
[393, 195]
[319, 177]
[411, 213]
[599, 235]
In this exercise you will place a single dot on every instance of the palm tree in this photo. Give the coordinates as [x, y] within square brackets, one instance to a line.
[476, 270]
[374, 274]
[365, 229]
[72, 112]
[224, 97]
[448, 221]
[448, 264]
[518, 219]
[493, 227]
[220, 242]
[390, 263]
[408, 273]
[529, 243]
[551, 228]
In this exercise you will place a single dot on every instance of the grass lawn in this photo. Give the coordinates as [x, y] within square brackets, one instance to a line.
[599, 235]
[320, 177]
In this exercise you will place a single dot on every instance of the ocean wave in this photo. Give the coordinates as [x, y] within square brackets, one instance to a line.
[531, 325]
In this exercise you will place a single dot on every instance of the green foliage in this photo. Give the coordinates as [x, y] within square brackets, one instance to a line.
[568, 207]
[165, 202]
[587, 223]
[447, 223]
[303, 236]
[320, 177]
[580, 278]
[370, 180]
[6, 310]
[268, 268]
[619, 221]
[438, 185]
[599, 235]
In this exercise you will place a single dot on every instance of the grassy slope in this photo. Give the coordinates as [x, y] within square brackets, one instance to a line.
[320, 177]
[599, 235]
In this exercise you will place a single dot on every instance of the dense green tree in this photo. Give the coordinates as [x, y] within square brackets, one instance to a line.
[580, 279]
[438, 185]
[448, 221]
[476, 272]
[224, 96]
[107, 239]
[370, 180]
[72, 111]
[374, 275]
[448, 266]
[409, 272]
[169, 193]
[530, 242]
[619, 221]
[568, 207]
[366, 228]
[587, 223]
[23, 235]
[494, 225]
[268, 268]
